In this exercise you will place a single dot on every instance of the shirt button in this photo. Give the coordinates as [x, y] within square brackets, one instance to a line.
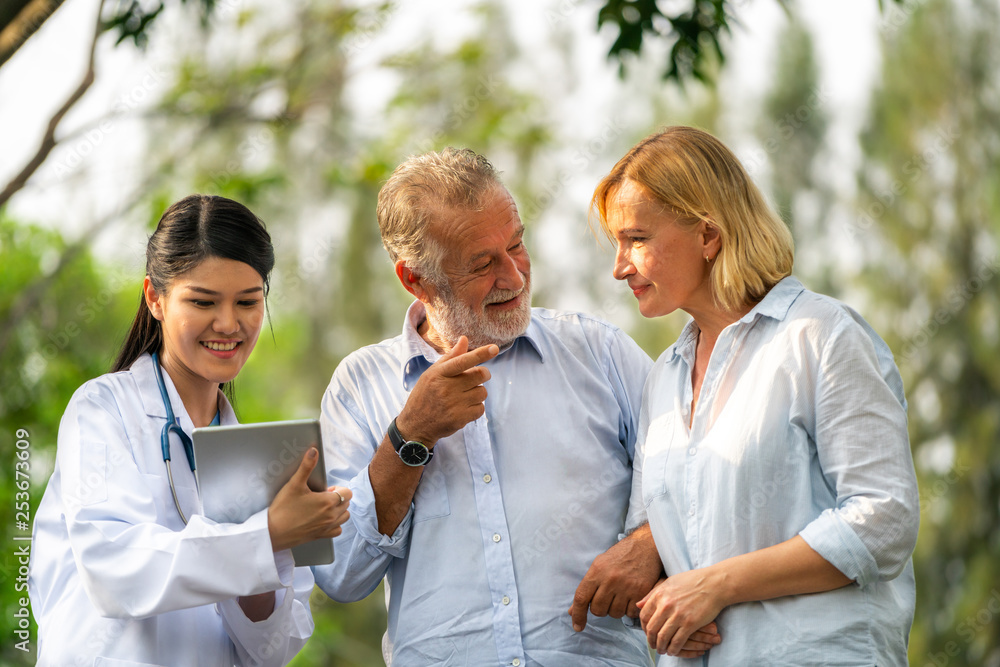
[496, 536]
[487, 478]
[516, 662]
[691, 511]
[505, 600]
[692, 451]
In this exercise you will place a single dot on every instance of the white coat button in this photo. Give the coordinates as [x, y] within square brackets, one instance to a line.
[505, 600]
[487, 478]
[496, 536]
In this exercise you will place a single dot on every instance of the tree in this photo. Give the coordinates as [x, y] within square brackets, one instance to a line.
[792, 131]
[696, 33]
[130, 19]
[928, 226]
[51, 350]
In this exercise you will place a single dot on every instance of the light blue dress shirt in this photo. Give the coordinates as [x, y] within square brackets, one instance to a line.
[800, 429]
[511, 511]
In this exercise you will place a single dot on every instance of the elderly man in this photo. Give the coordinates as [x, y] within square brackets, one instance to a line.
[488, 447]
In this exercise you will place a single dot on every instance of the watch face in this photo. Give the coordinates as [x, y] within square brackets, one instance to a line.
[414, 454]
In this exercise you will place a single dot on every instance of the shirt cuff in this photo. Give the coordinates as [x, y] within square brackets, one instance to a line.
[635, 519]
[832, 537]
[284, 563]
[366, 521]
[272, 575]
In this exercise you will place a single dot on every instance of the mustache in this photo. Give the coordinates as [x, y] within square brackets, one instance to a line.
[501, 295]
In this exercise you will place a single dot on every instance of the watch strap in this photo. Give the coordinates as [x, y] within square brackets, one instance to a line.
[397, 441]
[395, 437]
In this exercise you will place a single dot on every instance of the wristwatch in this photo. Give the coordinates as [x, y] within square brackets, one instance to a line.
[411, 452]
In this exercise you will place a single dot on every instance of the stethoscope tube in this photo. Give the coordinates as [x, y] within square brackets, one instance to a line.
[173, 427]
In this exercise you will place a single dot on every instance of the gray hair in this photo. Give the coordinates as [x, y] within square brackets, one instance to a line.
[418, 190]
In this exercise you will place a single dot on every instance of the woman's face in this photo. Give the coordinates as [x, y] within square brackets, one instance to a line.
[211, 317]
[662, 261]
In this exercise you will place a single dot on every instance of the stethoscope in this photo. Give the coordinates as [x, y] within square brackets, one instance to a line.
[173, 427]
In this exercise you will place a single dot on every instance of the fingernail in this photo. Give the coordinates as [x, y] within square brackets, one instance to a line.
[312, 453]
[577, 627]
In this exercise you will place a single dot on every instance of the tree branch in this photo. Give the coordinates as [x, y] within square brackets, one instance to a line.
[49, 140]
[31, 296]
[19, 20]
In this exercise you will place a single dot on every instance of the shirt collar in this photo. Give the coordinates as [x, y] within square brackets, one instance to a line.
[419, 355]
[152, 402]
[775, 305]
[777, 301]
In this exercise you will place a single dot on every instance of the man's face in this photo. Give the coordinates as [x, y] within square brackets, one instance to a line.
[486, 293]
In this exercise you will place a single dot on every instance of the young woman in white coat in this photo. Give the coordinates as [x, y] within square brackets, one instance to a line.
[125, 570]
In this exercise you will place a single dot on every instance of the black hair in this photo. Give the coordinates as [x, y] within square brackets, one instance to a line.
[190, 231]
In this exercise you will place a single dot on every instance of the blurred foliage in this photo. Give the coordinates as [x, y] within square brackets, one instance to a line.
[133, 19]
[695, 30]
[696, 33]
[928, 224]
[271, 119]
[46, 352]
[791, 163]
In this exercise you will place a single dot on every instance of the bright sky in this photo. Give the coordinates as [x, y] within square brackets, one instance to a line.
[86, 178]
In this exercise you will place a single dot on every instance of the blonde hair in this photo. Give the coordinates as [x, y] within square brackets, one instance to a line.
[699, 179]
[418, 190]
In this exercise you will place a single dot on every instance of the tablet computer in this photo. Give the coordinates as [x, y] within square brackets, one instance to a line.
[242, 467]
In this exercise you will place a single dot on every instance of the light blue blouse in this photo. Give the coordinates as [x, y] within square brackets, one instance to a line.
[800, 429]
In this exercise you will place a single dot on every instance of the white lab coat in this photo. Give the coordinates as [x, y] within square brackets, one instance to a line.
[116, 578]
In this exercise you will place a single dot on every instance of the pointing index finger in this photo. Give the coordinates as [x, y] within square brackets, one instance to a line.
[463, 362]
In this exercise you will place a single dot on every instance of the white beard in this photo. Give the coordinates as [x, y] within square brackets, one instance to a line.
[451, 318]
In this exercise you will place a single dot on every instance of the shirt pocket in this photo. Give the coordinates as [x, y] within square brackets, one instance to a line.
[659, 442]
[431, 498]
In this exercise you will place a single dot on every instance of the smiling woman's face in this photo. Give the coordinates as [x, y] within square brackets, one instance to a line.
[662, 261]
[211, 317]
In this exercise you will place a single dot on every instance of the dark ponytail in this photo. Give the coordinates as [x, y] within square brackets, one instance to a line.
[192, 230]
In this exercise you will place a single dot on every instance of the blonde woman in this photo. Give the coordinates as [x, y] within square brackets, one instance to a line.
[772, 455]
